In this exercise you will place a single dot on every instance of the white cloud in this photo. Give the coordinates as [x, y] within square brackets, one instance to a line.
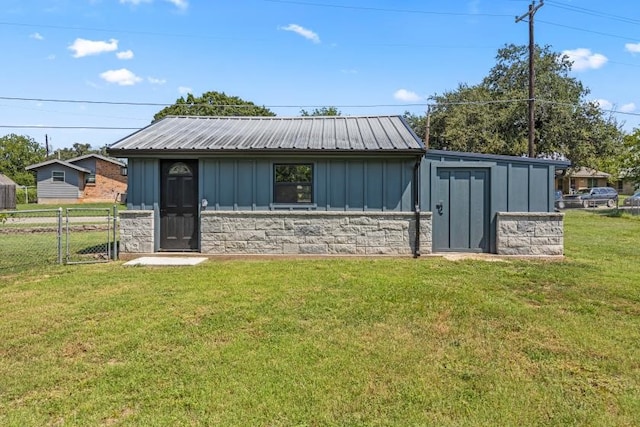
[122, 77]
[304, 32]
[632, 47]
[51, 57]
[604, 104]
[156, 81]
[180, 4]
[184, 90]
[84, 47]
[584, 59]
[628, 108]
[36, 36]
[406, 96]
[125, 54]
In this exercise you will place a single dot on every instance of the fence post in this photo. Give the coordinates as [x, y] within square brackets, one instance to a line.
[115, 224]
[60, 235]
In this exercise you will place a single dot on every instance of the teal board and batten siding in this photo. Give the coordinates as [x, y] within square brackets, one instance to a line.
[515, 185]
[69, 189]
[240, 184]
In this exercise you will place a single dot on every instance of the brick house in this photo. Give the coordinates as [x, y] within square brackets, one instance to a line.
[84, 179]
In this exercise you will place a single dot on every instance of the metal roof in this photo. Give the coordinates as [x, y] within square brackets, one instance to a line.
[271, 134]
[462, 155]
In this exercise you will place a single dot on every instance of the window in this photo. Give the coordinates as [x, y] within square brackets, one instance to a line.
[293, 183]
[592, 182]
[620, 185]
[57, 176]
[90, 178]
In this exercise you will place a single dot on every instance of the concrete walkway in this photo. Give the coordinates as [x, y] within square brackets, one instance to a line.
[166, 260]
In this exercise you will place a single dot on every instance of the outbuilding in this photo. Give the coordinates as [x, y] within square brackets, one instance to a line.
[326, 185]
[83, 179]
[7, 193]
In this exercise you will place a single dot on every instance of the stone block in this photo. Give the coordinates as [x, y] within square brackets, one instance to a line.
[313, 249]
[342, 249]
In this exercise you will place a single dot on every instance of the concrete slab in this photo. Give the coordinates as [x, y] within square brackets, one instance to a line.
[165, 261]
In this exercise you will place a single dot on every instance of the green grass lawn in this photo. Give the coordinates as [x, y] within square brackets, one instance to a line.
[341, 342]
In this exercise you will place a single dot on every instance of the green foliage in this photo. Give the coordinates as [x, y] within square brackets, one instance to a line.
[78, 150]
[16, 153]
[323, 111]
[293, 173]
[31, 195]
[629, 161]
[417, 123]
[492, 117]
[212, 104]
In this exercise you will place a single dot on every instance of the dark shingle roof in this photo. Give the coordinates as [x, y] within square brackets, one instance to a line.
[271, 134]
[58, 162]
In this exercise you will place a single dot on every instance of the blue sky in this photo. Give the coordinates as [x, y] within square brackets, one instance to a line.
[366, 57]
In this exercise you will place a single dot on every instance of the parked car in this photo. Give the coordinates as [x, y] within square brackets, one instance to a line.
[559, 200]
[592, 197]
[633, 200]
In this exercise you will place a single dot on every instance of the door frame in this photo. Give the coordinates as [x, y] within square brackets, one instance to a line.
[491, 211]
[196, 180]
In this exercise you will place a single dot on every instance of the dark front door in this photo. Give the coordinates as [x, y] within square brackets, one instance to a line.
[461, 210]
[179, 205]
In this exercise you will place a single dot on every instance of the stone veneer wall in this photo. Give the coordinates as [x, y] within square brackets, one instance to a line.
[314, 232]
[136, 231]
[530, 233]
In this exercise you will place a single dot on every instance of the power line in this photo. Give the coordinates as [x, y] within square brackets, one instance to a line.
[379, 9]
[584, 30]
[153, 104]
[428, 105]
[593, 12]
[67, 127]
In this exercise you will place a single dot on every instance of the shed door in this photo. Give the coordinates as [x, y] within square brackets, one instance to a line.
[460, 207]
[179, 205]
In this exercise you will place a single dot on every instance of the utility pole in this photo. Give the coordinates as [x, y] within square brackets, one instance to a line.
[428, 128]
[46, 144]
[532, 75]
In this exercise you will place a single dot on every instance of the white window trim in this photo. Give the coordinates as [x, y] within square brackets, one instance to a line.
[53, 179]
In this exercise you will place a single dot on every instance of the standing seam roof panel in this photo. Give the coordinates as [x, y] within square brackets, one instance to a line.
[273, 133]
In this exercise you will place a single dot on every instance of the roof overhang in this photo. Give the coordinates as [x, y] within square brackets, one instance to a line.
[436, 154]
[58, 162]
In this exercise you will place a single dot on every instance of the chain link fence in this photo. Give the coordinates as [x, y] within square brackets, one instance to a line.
[36, 238]
[632, 206]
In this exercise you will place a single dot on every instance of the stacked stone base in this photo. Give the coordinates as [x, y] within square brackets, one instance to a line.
[530, 233]
[136, 231]
[316, 233]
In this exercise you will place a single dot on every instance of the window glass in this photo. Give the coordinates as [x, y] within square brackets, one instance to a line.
[57, 176]
[293, 183]
[90, 178]
[180, 169]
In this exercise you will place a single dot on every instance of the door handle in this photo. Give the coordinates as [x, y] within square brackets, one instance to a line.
[440, 207]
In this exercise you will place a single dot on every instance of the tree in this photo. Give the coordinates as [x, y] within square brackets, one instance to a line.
[322, 111]
[212, 104]
[16, 153]
[76, 150]
[491, 117]
[629, 161]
